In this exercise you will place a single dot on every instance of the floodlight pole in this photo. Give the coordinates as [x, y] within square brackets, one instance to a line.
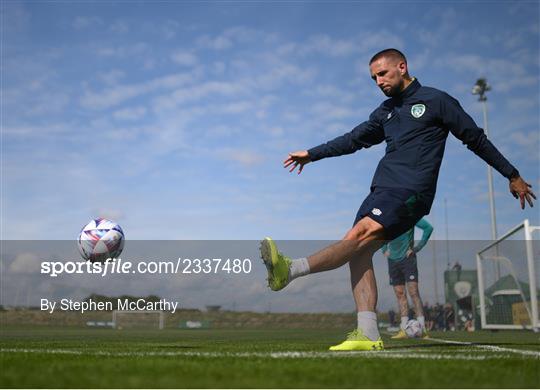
[480, 89]
[447, 242]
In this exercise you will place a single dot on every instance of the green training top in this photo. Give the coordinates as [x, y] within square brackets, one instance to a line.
[398, 247]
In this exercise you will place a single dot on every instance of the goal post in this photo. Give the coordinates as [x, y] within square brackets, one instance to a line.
[123, 319]
[508, 280]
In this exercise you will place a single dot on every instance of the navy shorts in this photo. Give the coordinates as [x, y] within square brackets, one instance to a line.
[402, 271]
[396, 209]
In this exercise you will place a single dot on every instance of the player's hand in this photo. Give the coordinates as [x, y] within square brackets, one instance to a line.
[519, 188]
[295, 159]
[410, 252]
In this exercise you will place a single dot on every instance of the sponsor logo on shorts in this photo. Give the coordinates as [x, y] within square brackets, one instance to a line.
[411, 277]
[376, 212]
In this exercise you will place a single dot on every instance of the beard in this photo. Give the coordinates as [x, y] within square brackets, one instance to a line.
[394, 90]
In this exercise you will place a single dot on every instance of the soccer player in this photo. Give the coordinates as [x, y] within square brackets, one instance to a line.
[402, 268]
[414, 122]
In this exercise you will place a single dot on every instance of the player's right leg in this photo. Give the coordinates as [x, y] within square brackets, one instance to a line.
[277, 265]
[282, 270]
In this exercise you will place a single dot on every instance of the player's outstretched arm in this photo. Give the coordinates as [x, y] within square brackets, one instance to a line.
[295, 159]
[464, 128]
[522, 191]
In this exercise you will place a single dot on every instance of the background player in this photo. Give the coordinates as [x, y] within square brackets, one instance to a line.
[403, 270]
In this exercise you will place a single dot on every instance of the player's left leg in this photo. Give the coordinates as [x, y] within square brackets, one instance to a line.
[364, 287]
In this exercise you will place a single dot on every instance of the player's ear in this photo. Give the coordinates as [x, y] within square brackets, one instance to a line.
[402, 65]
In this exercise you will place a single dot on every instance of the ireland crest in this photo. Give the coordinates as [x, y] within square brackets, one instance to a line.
[418, 110]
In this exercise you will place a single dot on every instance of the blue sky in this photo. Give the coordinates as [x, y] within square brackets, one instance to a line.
[173, 118]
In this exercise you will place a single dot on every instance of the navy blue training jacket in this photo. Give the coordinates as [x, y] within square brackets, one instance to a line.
[415, 126]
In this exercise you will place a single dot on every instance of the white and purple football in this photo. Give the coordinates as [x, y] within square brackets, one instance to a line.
[100, 239]
[413, 329]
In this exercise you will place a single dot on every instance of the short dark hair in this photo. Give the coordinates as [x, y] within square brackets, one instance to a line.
[393, 53]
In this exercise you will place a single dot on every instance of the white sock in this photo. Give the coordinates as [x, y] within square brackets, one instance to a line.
[404, 321]
[367, 323]
[422, 321]
[299, 267]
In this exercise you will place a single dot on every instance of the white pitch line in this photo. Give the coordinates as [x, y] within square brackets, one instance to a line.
[396, 354]
[495, 348]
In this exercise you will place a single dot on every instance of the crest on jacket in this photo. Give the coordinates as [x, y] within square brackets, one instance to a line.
[418, 110]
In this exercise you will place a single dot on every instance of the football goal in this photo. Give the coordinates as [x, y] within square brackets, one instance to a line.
[141, 319]
[508, 280]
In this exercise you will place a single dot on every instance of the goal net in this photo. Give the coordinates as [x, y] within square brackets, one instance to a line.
[508, 280]
[140, 319]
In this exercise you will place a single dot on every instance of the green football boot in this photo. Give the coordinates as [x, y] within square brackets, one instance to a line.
[276, 264]
[356, 341]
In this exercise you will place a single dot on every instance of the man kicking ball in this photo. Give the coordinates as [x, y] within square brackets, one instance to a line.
[402, 269]
[415, 123]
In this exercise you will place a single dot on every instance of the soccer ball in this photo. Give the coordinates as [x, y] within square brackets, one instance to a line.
[413, 329]
[100, 239]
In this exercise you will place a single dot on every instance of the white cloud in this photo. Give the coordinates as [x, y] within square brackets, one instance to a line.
[338, 128]
[285, 72]
[46, 103]
[508, 83]
[522, 138]
[215, 43]
[83, 22]
[16, 17]
[123, 51]
[519, 104]
[219, 67]
[149, 63]
[237, 107]
[197, 92]
[130, 114]
[120, 93]
[331, 92]
[111, 214]
[374, 41]
[528, 145]
[325, 45]
[503, 73]
[26, 263]
[25, 130]
[111, 77]
[120, 27]
[231, 36]
[276, 131]
[329, 111]
[286, 49]
[184, 58]
[169, 29]
[242, 156]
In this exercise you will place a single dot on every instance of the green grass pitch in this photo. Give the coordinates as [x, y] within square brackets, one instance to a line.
[105, 358]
